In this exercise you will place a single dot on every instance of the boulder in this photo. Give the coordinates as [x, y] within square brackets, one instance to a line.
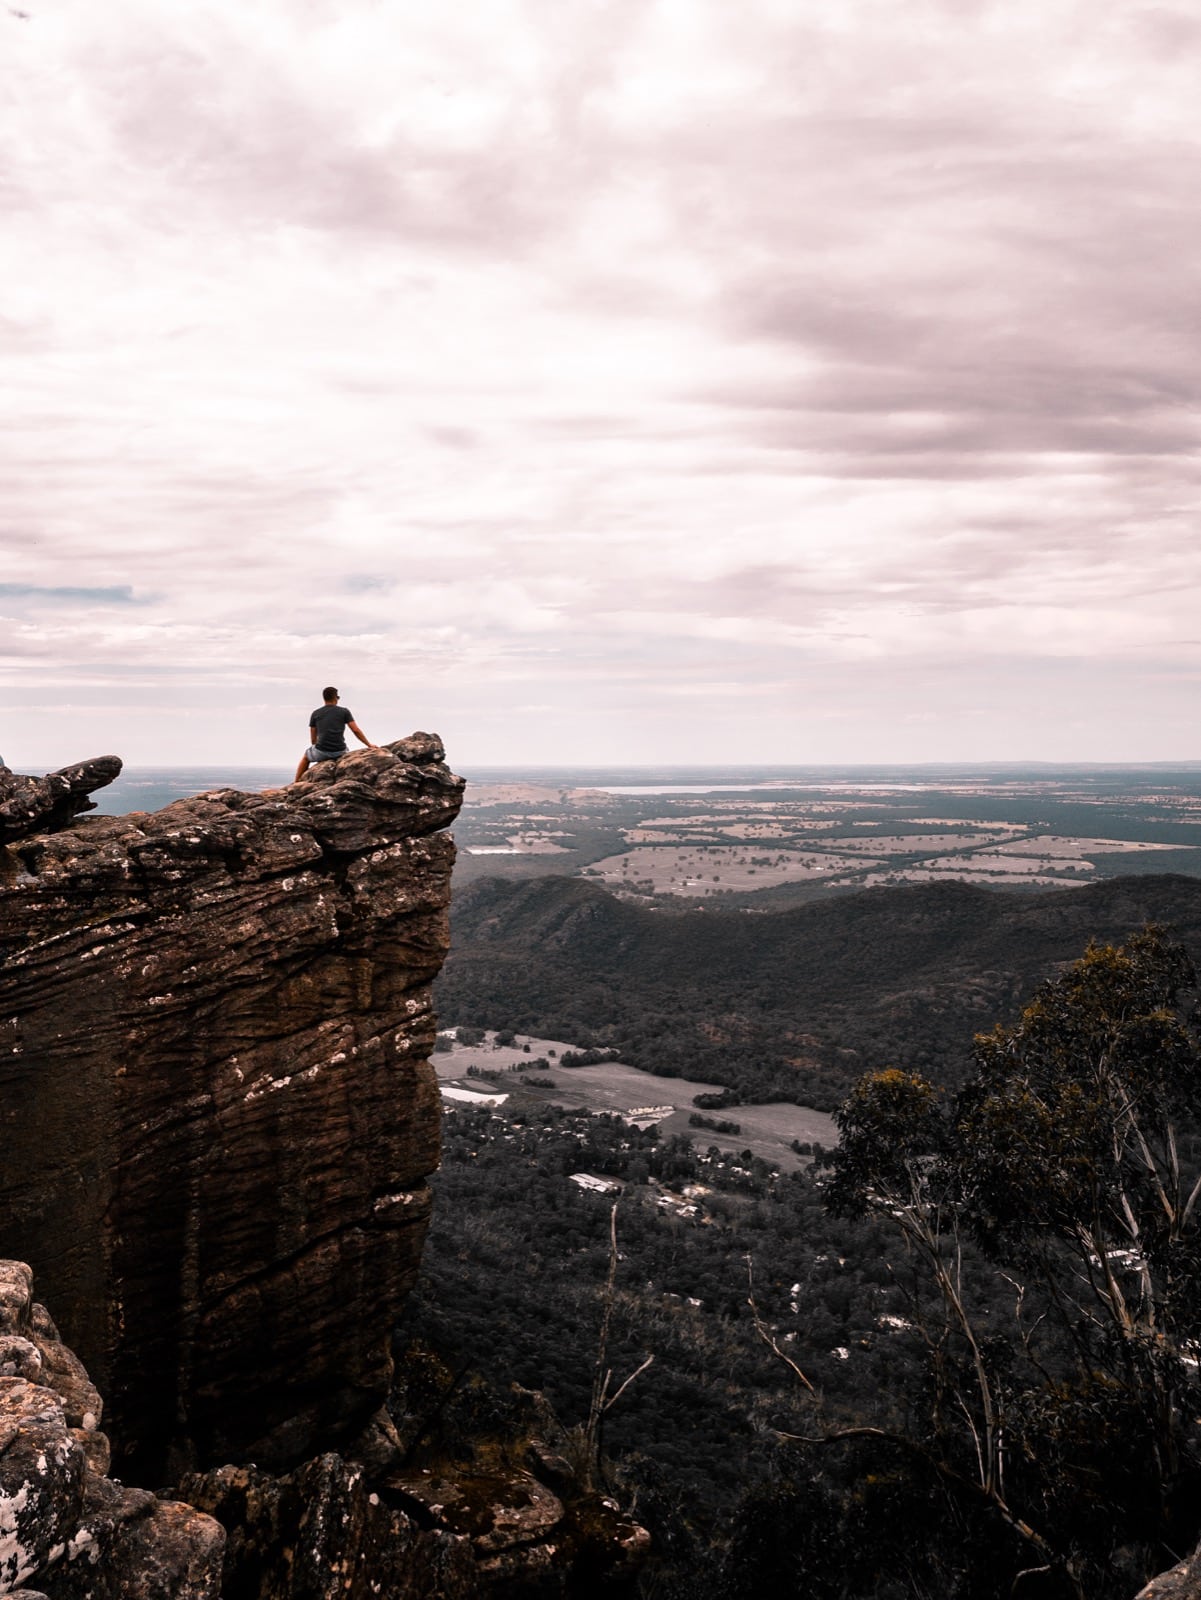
[323, 1533]
[1181, 1582]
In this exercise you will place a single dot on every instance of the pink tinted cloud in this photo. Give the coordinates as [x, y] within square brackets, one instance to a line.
[648, 343]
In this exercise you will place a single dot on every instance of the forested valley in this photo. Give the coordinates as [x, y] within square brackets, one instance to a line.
[788, 1005]
[957, 1357]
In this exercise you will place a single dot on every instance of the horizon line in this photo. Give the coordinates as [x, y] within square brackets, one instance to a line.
[1005, 764]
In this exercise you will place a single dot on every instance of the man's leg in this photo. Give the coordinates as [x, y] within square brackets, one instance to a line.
[302, 768]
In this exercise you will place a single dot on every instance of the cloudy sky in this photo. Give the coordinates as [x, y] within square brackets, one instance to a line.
[601, 380]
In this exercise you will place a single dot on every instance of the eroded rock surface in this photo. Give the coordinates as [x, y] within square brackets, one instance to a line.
[323, 1533]
[488, 1531]
[41, 805]
[492, 1467]
[67, 1532]
[216, 1101]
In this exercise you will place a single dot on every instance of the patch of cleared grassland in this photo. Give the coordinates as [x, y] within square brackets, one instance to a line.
[782, 827]
[536, 844]
[708, 869]
[1053, 844]
[911, 844]
[1018, 866]
[612, 1086]
[959, 872]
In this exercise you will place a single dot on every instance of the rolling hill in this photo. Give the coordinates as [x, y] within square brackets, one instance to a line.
[790, 1004]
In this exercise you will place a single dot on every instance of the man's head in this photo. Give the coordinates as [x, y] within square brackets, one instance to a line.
[329, 696]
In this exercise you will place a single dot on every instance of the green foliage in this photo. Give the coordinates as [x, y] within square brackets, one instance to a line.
[890, 1133]
[1069, 1123]
[512, 1286]
[1072, 1418]
[714, 1124]
[993, 1292]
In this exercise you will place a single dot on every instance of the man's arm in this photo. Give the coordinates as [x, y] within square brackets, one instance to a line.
[312, 733]
[359, 734]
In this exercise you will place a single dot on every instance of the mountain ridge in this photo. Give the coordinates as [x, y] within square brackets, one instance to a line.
[792, 1003]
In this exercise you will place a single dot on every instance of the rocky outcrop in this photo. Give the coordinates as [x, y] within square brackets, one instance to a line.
[42, 805]
[524, 1536]
[497, 1517]
[216, 1101]
[323, 1532]
[67, 1531]
[482, 1505]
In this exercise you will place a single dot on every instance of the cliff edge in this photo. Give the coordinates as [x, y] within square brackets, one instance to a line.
[216, 1101]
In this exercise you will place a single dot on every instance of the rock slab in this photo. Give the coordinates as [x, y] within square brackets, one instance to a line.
[216, 1098]
[43, 805]
[1181, 1582]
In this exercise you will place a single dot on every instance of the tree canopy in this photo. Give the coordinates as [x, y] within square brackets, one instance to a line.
[1067, 1412]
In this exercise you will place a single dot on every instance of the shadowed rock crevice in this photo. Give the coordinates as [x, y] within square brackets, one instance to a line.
[216, 1093]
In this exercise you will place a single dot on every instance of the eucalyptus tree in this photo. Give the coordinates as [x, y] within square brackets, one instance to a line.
[1064, 1174]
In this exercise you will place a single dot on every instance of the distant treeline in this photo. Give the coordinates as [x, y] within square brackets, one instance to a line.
[715, 1124]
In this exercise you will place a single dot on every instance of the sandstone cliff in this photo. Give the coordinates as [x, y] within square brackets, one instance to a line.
[216, 1101]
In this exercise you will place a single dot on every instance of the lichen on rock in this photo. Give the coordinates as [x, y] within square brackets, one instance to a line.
[42, 805]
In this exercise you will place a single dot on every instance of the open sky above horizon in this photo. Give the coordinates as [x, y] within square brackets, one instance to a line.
[601, 381]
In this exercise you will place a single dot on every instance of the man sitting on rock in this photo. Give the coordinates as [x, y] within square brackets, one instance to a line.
[327, 728]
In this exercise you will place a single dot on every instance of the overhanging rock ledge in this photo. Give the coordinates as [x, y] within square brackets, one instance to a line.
[216, 1100]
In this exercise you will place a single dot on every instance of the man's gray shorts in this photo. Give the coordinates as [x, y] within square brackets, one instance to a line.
[325, 755]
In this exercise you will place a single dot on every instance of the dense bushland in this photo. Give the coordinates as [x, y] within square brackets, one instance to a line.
[984, 1311]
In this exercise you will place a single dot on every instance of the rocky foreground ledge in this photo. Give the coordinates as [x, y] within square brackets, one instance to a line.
[63, 1522]
[216, 1101]
[503, 1520]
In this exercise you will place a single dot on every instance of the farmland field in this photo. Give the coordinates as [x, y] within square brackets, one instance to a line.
[707, 869]
[612, 1086]
[820, 832]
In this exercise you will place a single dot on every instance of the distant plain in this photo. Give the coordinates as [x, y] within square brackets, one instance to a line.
[764, 838]
[777, 839]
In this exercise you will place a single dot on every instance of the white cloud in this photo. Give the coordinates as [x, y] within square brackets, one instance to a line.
[641, 361]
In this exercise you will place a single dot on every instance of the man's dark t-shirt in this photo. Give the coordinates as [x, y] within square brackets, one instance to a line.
[331, 723]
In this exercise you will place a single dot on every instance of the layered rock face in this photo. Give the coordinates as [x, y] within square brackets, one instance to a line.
[216, 1101]
[504, 1519]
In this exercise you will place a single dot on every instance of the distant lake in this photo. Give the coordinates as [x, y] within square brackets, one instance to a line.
[777, 786]
[696, 788]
